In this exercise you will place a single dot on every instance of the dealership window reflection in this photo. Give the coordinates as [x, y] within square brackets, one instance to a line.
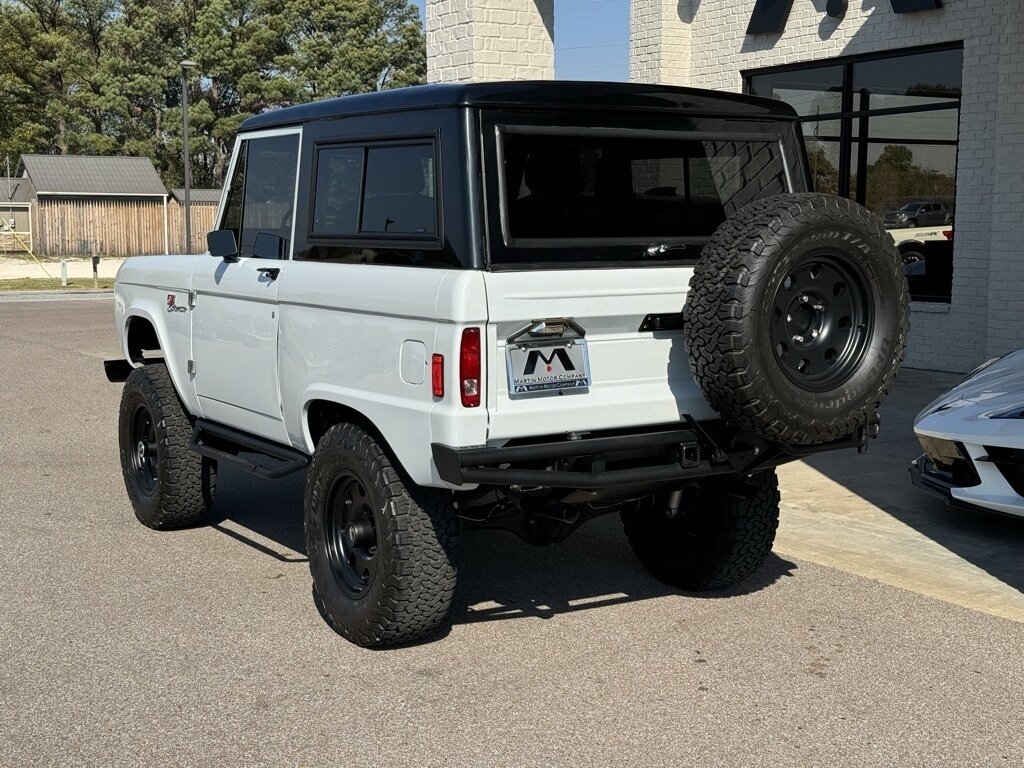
[883, 130]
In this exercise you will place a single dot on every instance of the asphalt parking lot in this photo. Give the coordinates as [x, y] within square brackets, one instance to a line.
[885, 630]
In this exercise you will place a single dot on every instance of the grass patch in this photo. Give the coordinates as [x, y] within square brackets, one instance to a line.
[53, 284]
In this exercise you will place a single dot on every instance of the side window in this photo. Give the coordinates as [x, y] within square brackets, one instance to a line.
[398, 196]
[262, 191]
[369, 191]
[339, 176]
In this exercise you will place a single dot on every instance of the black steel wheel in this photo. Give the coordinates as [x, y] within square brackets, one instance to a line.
[351, 534]
[145, 458]
[797, 318]
[821, 321]
[381, 549]
[169, 485]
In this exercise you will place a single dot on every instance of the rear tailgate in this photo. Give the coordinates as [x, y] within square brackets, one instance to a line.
[637, 377]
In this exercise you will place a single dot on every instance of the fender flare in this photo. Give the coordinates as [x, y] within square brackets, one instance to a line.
[177, 365]
[374, 414]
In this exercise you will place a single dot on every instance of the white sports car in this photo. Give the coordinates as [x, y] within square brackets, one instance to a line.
[973, 439]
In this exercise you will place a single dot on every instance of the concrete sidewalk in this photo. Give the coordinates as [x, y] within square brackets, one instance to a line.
[12, 268]
[862, 515]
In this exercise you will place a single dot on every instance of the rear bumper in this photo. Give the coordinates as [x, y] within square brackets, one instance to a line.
[620, 460]
[681, 458]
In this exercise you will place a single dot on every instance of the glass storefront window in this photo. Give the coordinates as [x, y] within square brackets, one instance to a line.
[883, 130]
[903, 179]
[909, 81]
[811, 92]
[822, 140]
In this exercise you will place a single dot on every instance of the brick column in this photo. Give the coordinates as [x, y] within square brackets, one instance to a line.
[490, 40]
[659, 41]
[1005, 268]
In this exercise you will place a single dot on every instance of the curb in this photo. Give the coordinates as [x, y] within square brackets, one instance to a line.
[83, 295]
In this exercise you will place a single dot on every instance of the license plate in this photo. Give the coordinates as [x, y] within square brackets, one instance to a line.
[552, 367]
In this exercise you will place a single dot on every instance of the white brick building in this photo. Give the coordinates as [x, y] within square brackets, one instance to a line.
[957, 121]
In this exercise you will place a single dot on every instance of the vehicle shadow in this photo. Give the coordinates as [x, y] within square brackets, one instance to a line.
[501, 577]
[263, 514]
[505, 578]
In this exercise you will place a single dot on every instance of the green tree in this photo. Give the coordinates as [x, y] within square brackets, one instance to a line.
[139, 75]
[895, 156]
[103, 76]
[824, 174]
[353, 47]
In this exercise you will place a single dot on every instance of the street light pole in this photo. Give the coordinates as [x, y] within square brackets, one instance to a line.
[185, 66]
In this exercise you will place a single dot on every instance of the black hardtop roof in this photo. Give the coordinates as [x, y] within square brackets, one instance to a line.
[530, 94]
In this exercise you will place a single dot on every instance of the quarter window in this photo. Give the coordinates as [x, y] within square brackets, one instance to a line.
[371, 192]
[338, 180]
[398, 197]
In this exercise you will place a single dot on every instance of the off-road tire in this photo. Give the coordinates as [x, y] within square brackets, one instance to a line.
[720, 536]
[184, 483]
[416, 533]
[733, 302]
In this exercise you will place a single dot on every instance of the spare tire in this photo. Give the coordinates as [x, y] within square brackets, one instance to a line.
[797, 318]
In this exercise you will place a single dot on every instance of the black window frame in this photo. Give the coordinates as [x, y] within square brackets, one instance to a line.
[373, 240]
[848, 113]
[855, 130]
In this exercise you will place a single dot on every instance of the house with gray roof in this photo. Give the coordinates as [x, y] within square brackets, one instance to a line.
[111, 205]
[15, 213]
[198, 196]
[86, 175]
[16, 189]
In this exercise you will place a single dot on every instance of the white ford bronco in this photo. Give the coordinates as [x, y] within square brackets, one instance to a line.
[515, 305]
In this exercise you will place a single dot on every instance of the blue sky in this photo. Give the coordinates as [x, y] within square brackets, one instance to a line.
[591, 39]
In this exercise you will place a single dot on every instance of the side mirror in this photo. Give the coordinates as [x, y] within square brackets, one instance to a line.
[222, 245]
[268, 246]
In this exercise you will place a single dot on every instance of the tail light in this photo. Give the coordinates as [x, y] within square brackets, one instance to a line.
[948, 234]
[469, 368]
[437, 375]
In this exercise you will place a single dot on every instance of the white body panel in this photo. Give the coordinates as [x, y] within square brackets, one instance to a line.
[970, 414]
[143, 286]
[235, 344]
[355, 334]
[638, 378]
[343, 331]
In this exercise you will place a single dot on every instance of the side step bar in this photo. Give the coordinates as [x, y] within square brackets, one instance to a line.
[215, 441]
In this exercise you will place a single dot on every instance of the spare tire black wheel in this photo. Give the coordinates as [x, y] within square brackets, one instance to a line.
[797, 318]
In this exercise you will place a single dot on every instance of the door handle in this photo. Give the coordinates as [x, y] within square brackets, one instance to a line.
[271, 272]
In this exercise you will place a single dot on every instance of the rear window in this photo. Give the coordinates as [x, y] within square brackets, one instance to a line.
[563, 188]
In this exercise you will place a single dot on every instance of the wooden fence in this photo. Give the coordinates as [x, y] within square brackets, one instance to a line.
[67, 226]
